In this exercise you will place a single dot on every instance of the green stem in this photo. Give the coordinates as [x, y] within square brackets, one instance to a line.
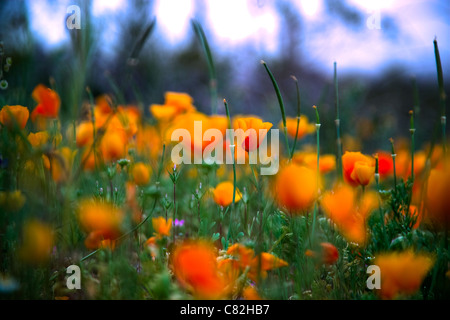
[395, 174]
[277, 242]
[280, 102]
[317, 170]
[313, 222]
[174, 207]
[393, 155]
[338, 126]
[161, 163]
[234, 164]
[286, 141]
[231, 150]
[256, 183]
[298, 118]
[412, 130]
[442, 96]
[308, 230]
[212, 71]
[377, 181]
[295, 139]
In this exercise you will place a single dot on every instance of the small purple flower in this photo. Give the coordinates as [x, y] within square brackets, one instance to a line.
[178, 223]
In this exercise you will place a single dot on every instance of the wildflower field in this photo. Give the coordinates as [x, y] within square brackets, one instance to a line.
[106, 202]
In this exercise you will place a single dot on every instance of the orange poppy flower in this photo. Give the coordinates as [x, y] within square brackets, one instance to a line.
[48, 102]
[149, 142]
[141, 173]
[60, 163]
[38, 139]
[385, 164]
[151, 241]
[180, 100]
[362, 173]
[250, 125]
[403, 163]
[187, 121]
[348, 213]
[113, 145]
[85, 134]
[38, 239]
[223, 194]
[125, 120]
[113, 136]
[197, 124]
[131, 118]
[219, 122]
[161, 226]
[100, 220]
[296, 188]
[163, 113]
[103, 104]
[241, 156]
[250, 293]
[330, 253]
[327, 162]
[436, 155]
[152, 247]
[195, 266]
[310, 253]
[357, 168]
[230, 270]
[304, 127]
[175, 103]
[437, 199]
[102, 110]
[100, 239]
[258, 265]
[14, 114]
[420, 159]
[268, 262]
[402, 273]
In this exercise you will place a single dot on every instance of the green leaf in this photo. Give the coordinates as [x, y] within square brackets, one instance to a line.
[215, 237]
[224, 244]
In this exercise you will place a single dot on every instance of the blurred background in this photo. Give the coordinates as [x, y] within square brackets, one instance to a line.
[137, 50]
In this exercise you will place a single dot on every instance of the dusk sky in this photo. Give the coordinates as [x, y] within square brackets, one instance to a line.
[386, 33]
